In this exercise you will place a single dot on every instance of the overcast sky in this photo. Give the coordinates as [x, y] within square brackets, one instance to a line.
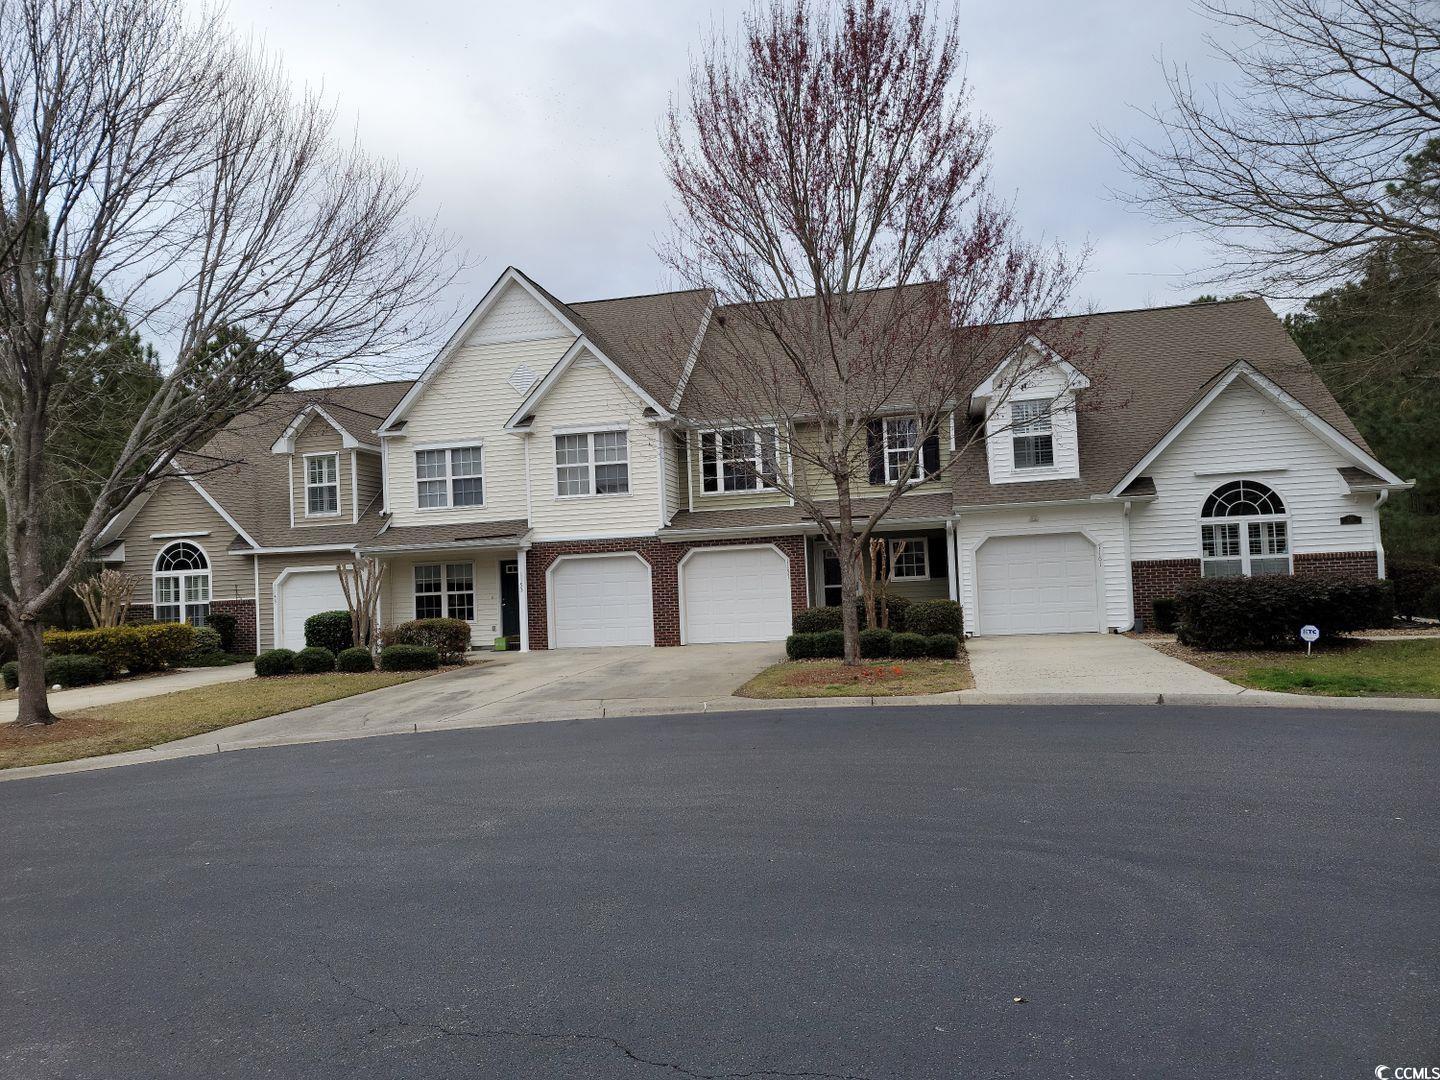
[533, 126]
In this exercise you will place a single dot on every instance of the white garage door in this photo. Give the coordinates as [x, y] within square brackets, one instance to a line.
[735, 594]
[1038, 585]
[602, 601]
[302, 595]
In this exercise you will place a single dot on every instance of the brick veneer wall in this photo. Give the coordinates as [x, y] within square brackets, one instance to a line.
[664, 560]
[1154, 578]
[1338, 564]
[243, 610]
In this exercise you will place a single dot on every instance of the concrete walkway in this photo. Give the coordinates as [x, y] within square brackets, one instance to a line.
[84, 697]
[1084, 664]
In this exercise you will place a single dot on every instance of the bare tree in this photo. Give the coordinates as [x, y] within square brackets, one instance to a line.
[361, 580]
[106, 596]
[830, 183]
[1302, 167]
[145, 155]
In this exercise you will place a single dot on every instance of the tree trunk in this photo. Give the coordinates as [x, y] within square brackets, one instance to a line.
[34, 698]
[849, 591]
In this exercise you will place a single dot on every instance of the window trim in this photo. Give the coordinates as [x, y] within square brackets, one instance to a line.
[179, 576]
[449, 449]
[758, 461]
[590, 463]
[446, 592]
[890, 554]
[919, 475]
[1243, 523]
[1016, 434]
[305, 460]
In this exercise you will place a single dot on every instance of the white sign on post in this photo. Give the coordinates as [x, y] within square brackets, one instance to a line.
[1309, 635]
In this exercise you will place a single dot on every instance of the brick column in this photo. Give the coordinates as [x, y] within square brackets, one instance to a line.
[1154, 578]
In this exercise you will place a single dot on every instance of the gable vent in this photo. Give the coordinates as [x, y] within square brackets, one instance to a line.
[522, 379]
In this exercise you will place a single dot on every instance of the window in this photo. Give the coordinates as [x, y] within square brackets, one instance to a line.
[182, 584]
[453, 477]
[322, 485]
[909, 560]
[899, 446]
[739, 459]
[1256, 544]
[1030, 434]
[592, 463]
[446, 591]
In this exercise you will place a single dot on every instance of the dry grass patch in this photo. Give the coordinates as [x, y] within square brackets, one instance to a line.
[136, 725]
[874, 678]
[1393, 668]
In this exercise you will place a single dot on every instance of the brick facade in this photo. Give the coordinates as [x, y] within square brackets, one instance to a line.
[1154, 578]
[1338, 564]
[664, 559]
[243, 610]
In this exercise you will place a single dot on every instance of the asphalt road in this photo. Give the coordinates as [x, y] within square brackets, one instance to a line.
[857, 893]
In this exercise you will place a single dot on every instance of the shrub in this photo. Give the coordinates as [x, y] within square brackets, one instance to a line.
[224, 624]
[1267, 612]
[1166, 614]
[75, 670]
[942, 646]
[875, 644]
[313, 660]
[899, 612]
[930, 617]
[409, 658]
[448, 637]
[353, 661]
[800, 646]
[1412, 580]
[816, 620]
[830, 645]
[907, 646]
[137, 649]
[1430, 603]
[207, 642]
[329, 630]
[275, 662]
[10, 675]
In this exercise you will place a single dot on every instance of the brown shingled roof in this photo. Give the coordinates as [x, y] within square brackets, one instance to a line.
[931, 506]
[466, 534]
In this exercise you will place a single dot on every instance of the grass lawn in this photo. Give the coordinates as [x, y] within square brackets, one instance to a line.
[135, 725]
[873, 678]
[1396, 668]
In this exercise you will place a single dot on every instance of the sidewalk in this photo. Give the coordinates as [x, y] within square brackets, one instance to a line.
[84, 697]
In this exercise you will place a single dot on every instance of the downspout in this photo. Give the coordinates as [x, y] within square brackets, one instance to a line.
[523, 597]
[1129, 569]
[1379, 545]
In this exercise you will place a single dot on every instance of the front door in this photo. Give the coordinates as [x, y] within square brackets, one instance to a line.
[830, 575]
[510, 600]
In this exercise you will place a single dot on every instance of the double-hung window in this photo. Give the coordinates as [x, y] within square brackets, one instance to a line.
[449, 477]
[1031, 434]
[739, 459]
[909, 560]
[445, 591]
[322, 485]
[1256, 544]
[900, 435]
[592, 463]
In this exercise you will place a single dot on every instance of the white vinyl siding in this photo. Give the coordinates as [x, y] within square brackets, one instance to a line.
[1003, 429]
[1245, 436]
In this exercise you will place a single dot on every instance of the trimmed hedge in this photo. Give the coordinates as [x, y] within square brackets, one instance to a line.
[942, 646]
[207, 642]
[450, 638]
[931, 617]
[799, 646]
[136, 649]
[907, 646]
[816, 620]
[875, 644]
[329, 630]
[1166, 612]
[830, 645]
[1430, 603]
[409, 658]
[1267, 612]
[354, 661]
[10, 674]
[73, 670]
[313, 660]
[224, 624]
[1412, 580]
[275, 662]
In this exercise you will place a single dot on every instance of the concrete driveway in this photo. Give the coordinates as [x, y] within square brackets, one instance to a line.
[1083, 664]
[566, 684]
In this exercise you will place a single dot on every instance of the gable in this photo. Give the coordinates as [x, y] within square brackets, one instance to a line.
[516, 315]
[587, 390]
[1245, 431]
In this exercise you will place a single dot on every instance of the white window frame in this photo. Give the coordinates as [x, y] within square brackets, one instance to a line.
[305, 465]
[893, 550]
[757, 462]
[1030, 429]
[181, 578]
[590, 464]
[449, 477]
[896, 455]
[1243, 523]
[446, 589]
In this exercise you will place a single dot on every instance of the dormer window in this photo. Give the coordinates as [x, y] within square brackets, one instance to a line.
[1031, 436]
[322, 485]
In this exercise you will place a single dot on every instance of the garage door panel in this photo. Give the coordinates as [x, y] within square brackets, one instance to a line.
[1042, 584]
[735, 594]
[302, 595]
[602, 601]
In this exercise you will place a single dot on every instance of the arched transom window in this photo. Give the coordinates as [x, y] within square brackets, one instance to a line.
[1244, 531]
[182, 584]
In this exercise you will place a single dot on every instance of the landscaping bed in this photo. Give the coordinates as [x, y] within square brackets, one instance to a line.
[831, 678]
[146, 722]
[1395, 668]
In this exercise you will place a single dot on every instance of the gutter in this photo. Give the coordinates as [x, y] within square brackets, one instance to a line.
[518, 541]
[806, 528]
